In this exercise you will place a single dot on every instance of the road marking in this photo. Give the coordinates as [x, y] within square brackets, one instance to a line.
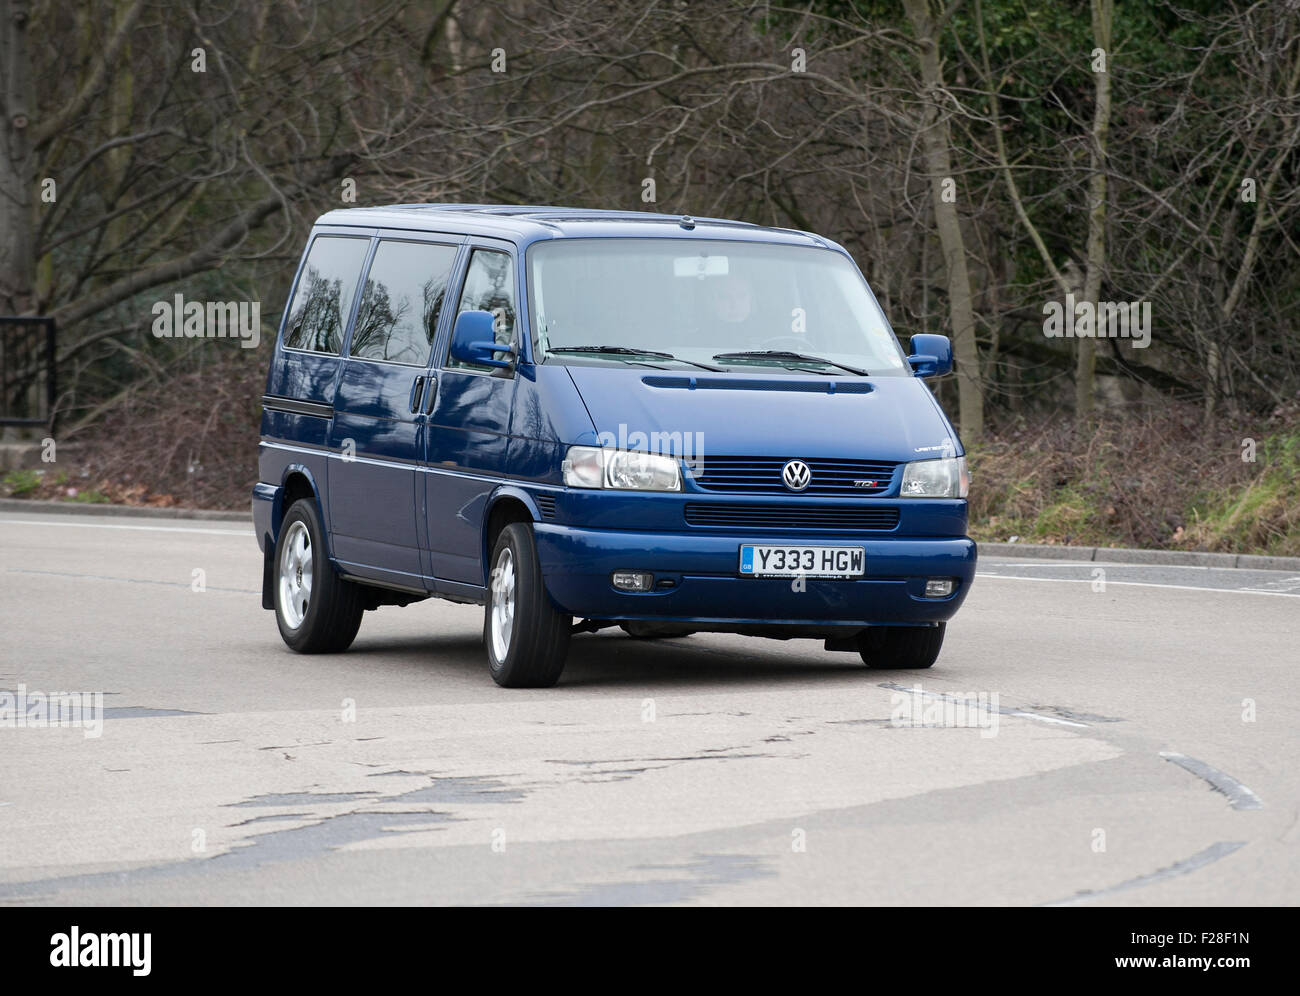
[1142, 584]
[1045, 719]
[107, 577]
[1238, 795]
[1025, 562]
[1210, 855]
[111, 525]
[1051, 563]
[1004, 710]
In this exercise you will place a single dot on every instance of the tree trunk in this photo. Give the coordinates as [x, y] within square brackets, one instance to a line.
[1085, 371]
[938, 158]
[17, 218]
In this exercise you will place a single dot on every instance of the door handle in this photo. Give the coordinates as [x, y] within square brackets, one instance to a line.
[430, 394]
[417, 389]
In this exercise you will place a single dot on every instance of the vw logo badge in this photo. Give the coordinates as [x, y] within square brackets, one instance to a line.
[796, 475]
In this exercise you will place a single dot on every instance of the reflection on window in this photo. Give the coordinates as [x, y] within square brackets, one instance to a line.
[489, 286]
[323, 299]
[401, 302]
[698, 299]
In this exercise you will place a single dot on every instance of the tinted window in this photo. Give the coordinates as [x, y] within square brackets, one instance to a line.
[401, 302]
[489, 286]
[323, 300]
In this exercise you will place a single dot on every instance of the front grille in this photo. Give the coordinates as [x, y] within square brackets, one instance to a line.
[822, 517]
[762, 475]
[545, 505]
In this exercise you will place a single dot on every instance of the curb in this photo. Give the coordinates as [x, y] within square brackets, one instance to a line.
[141, 511]
[1120, 555]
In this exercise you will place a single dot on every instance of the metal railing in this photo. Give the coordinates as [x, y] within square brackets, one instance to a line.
[28, 370]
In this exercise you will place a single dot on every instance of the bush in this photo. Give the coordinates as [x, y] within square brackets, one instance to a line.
[21, 483]
[186, 440]
[1157, 479]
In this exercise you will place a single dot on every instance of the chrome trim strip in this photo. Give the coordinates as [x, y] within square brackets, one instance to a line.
[296, 407]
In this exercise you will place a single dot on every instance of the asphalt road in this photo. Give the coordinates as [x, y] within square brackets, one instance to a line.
[1118, 764]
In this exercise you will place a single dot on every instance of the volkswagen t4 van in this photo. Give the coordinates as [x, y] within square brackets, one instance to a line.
[580, 419]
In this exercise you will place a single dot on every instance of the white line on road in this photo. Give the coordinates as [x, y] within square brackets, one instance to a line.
[1238, 794]
[1050, 563]
[1004, 710]
[1044, 719]
[112, 525]
[1142, 584]
[1025, 562]
[106, 577]
[1210, 855]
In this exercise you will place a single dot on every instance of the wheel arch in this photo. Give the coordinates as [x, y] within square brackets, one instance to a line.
[299, 482]
[296, 482]
[506, 505]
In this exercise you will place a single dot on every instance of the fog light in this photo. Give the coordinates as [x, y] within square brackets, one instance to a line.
[938, 587]
[633, 580]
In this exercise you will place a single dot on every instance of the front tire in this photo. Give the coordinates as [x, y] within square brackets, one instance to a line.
[527, 637]
[898, 647]
[317, 611]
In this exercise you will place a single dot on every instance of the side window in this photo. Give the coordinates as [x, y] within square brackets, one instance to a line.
[321, 304]
[489, 286]
[401, 302]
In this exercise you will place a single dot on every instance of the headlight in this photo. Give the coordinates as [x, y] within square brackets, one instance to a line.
[626, 470]
[945, 478]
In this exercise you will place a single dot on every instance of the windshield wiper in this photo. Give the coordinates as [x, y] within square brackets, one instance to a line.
[616, 350]
[628, 351]
[782, 354]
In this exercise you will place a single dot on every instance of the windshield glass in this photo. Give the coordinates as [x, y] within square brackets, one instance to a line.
[807, 310]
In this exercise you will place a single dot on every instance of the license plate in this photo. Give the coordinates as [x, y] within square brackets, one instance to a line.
[805, 561]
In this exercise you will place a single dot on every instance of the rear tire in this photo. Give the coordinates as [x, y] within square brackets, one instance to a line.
[317, 611]
[527, 637]
[898, 647]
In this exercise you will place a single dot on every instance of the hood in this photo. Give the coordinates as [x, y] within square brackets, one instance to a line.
[767, 414]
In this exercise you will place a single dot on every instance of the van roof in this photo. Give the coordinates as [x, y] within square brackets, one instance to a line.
[528, 223]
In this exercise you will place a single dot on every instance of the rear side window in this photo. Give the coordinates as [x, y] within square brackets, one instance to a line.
[489, 286]
[321, 304]
[401, 302]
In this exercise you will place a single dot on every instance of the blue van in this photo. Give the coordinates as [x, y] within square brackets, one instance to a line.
[582, 419]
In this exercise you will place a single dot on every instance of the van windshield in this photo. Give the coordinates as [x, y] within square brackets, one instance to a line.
[714, 304]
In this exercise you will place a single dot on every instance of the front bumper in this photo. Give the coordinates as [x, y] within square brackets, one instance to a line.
[706, 587]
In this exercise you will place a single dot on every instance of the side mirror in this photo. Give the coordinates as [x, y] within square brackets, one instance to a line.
[473, 340]
[930, 355]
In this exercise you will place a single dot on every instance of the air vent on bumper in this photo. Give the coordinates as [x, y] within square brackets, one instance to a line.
[722, 515]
